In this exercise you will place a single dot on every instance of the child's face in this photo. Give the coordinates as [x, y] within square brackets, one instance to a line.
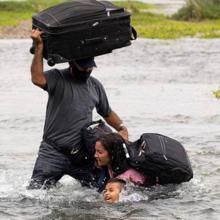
[112, 192]
[101, 155]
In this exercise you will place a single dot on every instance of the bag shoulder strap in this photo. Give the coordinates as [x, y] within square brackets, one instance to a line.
[133, 33]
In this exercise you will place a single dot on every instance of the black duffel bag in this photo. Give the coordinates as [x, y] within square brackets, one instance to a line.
[91, 132]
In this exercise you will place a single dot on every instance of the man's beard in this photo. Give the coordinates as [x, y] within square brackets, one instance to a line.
[81, 76]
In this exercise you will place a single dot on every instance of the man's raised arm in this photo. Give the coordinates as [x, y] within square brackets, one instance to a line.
[37, 75]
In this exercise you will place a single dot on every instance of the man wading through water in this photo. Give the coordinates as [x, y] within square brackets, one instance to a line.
[73, 94]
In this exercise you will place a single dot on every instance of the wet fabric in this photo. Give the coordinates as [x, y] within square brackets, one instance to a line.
[70, 106]
[51, 165]
[132, 175]
[69, 109]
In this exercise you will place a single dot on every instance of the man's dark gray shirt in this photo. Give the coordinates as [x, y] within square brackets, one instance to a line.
[70, 105]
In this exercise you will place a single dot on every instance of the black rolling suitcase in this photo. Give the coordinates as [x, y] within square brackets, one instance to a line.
[80, 29]
[160, 157]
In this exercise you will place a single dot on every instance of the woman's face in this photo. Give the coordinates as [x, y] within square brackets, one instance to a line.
[101, 155]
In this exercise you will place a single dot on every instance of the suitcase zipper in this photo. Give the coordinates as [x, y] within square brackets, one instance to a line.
[163, 147]
[126, 151]
[142, 150]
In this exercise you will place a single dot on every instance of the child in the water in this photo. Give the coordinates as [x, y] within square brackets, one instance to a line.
[112, 191]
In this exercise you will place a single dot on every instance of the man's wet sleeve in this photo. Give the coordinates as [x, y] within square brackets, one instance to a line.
[103, 107]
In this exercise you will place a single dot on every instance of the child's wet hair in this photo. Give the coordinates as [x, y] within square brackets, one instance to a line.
[116, 180]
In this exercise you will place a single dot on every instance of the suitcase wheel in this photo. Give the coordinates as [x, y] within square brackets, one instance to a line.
[51, 62]
[32, 50]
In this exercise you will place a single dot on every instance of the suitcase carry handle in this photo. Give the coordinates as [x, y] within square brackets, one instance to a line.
[94, 40]
[133, 33]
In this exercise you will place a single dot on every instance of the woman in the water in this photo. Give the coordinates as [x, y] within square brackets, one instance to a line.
[110, 153]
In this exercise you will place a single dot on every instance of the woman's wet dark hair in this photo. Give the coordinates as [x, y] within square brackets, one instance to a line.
[113, 143]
